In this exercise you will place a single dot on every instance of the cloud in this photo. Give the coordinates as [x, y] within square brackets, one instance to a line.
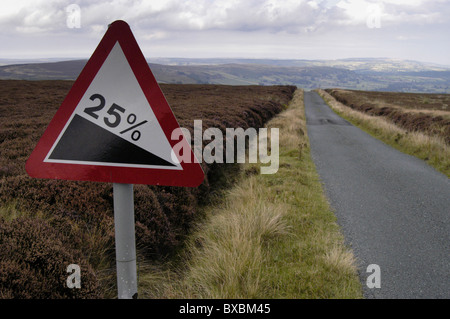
[168, 15]
[201, 15]
[395, 12]
[231, 27]
[293, 16]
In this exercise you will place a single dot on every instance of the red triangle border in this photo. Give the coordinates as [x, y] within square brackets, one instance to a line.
[192, 174]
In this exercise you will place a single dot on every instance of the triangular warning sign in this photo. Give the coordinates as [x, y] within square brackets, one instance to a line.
[115, 124]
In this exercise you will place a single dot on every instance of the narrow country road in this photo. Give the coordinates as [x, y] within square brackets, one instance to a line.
[394, 209]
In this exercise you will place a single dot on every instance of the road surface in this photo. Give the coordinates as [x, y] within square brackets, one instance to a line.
[394, 209]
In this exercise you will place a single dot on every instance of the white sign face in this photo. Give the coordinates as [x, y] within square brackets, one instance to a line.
[113, 124]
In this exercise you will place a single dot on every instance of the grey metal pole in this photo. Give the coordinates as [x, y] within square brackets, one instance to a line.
[125, 241]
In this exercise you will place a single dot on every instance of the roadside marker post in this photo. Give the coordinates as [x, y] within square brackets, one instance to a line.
[116, 126]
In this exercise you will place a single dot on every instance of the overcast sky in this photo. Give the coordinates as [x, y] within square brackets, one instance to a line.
[279, 29]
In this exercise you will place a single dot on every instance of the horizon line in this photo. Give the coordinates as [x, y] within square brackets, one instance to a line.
[64, 59]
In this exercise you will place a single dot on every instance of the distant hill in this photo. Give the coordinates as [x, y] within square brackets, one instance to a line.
[63, 70]
[362, 74]
[357, 64]
[29, 61]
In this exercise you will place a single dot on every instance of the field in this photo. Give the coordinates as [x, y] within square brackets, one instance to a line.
[427, 113]
[45, 225]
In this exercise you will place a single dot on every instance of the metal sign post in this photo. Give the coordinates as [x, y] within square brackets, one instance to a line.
[125, 241]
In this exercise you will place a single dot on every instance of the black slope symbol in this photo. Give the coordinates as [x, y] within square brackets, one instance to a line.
[86, 142]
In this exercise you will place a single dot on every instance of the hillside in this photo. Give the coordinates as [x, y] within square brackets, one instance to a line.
[358, 74]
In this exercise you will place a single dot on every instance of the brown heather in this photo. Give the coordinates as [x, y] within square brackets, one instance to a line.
[45, 225]
[34, 258]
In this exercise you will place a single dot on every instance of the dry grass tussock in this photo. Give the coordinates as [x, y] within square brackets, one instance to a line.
[292, 124]
[229, 252]
[226, 253]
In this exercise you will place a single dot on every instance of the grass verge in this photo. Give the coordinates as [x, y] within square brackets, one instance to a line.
[431, 149]
[272, 236]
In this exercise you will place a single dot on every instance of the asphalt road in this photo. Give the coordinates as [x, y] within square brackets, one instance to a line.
[394, 209]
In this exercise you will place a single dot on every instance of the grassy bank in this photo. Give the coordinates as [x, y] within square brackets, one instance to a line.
[431, 149]
[271, 236]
